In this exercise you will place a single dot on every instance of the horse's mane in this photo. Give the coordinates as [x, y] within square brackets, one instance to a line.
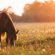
[6, 14]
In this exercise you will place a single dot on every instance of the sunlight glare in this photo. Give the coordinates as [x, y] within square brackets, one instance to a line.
[17, 5]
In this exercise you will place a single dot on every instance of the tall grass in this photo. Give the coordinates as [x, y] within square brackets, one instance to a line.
[32, 39]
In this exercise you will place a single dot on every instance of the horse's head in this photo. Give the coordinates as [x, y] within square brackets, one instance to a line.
[17, 31]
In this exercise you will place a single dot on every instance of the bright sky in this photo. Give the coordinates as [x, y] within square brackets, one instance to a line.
[17, 5]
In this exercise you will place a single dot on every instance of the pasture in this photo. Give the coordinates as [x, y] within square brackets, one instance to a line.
[32, 39]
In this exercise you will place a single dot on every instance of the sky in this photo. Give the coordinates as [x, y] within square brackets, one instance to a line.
[17, 5]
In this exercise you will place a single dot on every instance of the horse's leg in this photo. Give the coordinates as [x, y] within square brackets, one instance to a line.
[12, 42]
[0, 39]
[7, 40]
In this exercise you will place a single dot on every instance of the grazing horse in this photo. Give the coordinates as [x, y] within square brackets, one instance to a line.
[7, 26]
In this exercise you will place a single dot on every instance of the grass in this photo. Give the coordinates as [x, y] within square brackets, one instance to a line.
[32, 39]
[37, 47]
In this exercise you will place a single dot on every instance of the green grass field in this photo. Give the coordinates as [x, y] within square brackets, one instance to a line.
[32, 39]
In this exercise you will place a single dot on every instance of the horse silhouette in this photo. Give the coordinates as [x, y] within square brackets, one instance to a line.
[7, 26]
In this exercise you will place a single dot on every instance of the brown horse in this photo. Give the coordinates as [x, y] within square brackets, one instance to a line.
[7, 26]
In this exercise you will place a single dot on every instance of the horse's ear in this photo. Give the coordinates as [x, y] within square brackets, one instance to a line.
[17, 31]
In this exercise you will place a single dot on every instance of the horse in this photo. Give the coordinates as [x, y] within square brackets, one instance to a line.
[6, 25]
